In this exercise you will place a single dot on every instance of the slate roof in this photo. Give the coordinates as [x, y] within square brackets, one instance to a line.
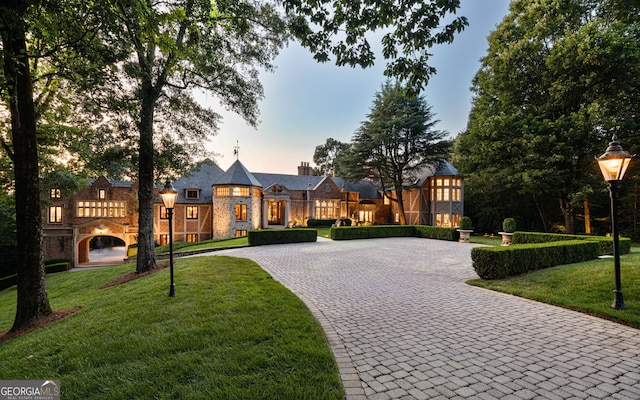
[198, 178]
[237, 174]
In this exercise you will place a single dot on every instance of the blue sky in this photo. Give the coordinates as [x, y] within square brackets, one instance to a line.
[306, 102]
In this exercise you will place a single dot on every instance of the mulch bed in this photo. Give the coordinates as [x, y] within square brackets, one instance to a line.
[133, 276]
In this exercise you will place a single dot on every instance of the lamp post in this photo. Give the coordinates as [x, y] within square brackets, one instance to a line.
[613, 164]
[169, 195]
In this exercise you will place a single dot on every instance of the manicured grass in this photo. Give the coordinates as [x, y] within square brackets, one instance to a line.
[586, 287]
[488, 240]
[324, 232]
[231, 332]
[205, 244]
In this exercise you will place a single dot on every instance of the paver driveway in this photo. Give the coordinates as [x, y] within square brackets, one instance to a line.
[403, 324]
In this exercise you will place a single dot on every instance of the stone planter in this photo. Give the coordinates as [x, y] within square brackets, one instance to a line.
[464, 235]
[506, 238]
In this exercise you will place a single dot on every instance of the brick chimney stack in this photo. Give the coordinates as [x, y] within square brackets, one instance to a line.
[304, 169]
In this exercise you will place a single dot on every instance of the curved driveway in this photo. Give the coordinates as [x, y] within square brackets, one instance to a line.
[403, 325]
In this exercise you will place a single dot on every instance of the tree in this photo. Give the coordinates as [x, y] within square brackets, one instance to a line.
[178, 47]
[33, 302]
[395, 143]
[339, 28]
[558, 77]
[326, 157]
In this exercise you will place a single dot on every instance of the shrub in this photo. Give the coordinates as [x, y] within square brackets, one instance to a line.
[437, 232]
[312, 223]
[509, 225]
[381, 231]
[605, 244]
[466, 223]
[280, 236]
[498, 262]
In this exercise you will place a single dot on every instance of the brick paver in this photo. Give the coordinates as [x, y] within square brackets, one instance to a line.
[403, 324]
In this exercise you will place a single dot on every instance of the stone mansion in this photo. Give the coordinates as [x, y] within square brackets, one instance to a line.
[217, 204]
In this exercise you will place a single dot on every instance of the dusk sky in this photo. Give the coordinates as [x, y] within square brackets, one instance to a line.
[307, 102]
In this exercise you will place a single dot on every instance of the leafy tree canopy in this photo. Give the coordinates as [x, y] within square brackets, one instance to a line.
[558, 78]
[343, 28]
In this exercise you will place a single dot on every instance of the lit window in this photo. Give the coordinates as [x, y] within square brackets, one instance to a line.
[192, 193]
[327, 209]
[163, 213]
[241, 232]
[192, 237]
[445, 182]
[366, 216]
[456, 194]
[241, 212]
[164, 239]
[102, 194]
[55, 193]
[55, 214]
[192, 212]
[240, 191]
[115, 209]
[445, 194]
[439, 194]
[222, 191]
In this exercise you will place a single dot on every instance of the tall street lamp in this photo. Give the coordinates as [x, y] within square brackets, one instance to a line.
[613, 164]
[169, 195]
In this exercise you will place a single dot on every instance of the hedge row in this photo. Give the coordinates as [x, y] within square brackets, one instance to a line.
[382, 231]
[280, 236]
[51, 266]
[437, 232]
[605, 244]
[498, 262]
[313, 223]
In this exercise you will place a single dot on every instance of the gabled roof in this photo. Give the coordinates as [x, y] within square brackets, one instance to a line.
[198, 178]
[291, 182]
[237, 174]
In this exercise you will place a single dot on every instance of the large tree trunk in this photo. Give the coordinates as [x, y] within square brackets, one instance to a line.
[567, 212]
[146, 259]
[32, 302]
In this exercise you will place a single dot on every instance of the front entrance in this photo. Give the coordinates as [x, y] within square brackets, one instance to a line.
[276, 212]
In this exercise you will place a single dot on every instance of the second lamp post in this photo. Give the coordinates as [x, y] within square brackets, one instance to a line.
[169, 195]
[613, 164]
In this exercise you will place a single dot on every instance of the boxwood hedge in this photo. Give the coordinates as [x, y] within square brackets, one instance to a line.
[279, 236]
[381, 231]
[605, 244]
[498, 262]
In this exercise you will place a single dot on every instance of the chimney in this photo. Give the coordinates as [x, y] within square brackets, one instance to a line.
[304, 169]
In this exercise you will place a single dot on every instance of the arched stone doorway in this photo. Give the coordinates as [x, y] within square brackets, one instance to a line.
[102, 241]
[101, 249]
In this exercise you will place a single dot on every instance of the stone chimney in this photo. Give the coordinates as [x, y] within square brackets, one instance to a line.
[304, 169]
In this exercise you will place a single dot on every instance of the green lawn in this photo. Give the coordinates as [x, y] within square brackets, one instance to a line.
[586, 287]
[231, 332]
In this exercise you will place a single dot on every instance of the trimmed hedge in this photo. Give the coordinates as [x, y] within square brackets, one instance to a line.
[382, 231]
[498, 262]
[437, 232]
[605, 244]
[280, 236]
[51, 267]
[313, 223]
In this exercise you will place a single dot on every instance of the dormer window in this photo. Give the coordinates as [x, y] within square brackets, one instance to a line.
[55, 193]
[192, 193]
[102, 194]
